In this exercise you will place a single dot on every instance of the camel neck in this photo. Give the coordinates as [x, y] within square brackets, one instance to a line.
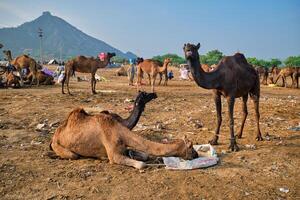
[164, 67]
[103, 63]
[203, 79]
[134, 116]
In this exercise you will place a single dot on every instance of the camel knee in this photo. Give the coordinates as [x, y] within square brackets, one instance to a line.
[63, 152]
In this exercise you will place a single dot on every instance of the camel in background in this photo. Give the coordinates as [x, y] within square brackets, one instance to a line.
[43, 78]
[233, 77]
[152, 68]
[98, 136]
[22, 62]
[84, 65]
[288, 72]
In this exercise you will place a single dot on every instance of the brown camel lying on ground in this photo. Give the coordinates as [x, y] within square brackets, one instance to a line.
[84, 65]
[232, 78]
[122, 71]
[42, 78]
[21, 62]
[152, 68]
[100, 135]
[139, 106]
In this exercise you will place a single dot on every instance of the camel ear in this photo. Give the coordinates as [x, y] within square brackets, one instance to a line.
[198, 45]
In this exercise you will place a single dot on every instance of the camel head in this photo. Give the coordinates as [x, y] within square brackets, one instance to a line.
[144, 97]
[110, 55]
[188, 152]
[167, 61]
[139, 60]
[191, 51]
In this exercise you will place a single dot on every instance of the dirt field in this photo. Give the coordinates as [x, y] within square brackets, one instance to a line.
[257, 171]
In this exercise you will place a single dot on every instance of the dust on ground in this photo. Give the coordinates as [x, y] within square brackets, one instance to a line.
[257, 171]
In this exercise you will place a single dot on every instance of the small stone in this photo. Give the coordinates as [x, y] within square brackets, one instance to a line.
[39, 127]
[285, 190]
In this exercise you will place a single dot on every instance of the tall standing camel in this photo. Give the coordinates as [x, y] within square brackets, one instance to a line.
[233, 77]
[22, 62]
[152, 68]
[84, 65]
[101, 136]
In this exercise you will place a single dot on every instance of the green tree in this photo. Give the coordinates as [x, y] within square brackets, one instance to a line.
[275, 62]
[174, 58]
[253, 61]
[292, 61]
[212, 57]
[118, 59]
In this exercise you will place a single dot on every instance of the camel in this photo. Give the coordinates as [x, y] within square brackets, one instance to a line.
[122, 71]
[296, 76]
[84, 65]
[286, 72]
[264, 73]
[42, 78]
[139, 106]
[274, 73]
[22, 62]
[152, 68]
[233, 77]
[98, 136]
[12, 80]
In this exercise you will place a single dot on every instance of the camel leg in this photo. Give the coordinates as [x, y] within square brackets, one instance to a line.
[115, 156]
[123, 160]
[149, 77]
[160, 79]
[217, 98]
[63, 83]
[166, 79]
[255, 99]
[233, 146]
[67, 82]
[93, 84]
[21, 77]
[63, 152]
[153, 83]
[245, 113]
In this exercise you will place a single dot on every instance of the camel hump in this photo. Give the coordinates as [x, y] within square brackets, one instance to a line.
[240, 58]
[78, 113]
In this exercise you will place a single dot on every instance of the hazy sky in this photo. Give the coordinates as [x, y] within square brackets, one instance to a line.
[261, 28]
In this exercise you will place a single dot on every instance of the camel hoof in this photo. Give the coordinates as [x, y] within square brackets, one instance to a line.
[213, 142]
[233, 146]
[94, 92]
[259, 138]
[239, 136]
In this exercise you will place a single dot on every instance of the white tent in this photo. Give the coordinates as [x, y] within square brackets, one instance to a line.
[53, 61]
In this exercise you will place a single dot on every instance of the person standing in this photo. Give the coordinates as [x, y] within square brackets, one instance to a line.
[131, 71]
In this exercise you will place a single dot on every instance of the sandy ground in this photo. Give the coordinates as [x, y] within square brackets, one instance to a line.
[255, 172]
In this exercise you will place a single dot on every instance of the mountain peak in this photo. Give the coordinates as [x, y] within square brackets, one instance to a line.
[47, 13]
[60, 39]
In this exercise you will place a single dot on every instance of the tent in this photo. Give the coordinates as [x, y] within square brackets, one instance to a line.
[52, 62]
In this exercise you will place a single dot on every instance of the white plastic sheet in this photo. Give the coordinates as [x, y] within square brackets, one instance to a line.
[207, 157]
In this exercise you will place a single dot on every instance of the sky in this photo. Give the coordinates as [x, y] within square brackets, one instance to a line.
[258, 28]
